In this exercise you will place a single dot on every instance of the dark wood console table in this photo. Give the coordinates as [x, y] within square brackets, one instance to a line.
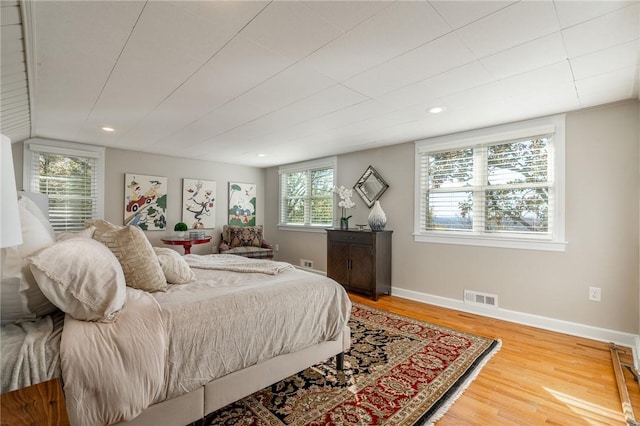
[360, 260]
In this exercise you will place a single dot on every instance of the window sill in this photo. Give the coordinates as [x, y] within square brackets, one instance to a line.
[303, 228]
[484, 241]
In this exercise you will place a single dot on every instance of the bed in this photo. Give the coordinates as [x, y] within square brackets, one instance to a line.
[157, 351]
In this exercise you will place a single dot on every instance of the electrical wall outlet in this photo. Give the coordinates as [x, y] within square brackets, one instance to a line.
[595, 294]
[306, 263]
[277, 247]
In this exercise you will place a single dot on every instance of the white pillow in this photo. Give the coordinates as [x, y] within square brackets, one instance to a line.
[21, 298]
[33, 208]
[175, 268]
[82, 277]
[85, 233]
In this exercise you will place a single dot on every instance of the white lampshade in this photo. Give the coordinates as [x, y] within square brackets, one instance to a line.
[10, 229]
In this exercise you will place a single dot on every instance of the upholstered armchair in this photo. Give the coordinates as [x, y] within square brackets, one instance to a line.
[247, 241]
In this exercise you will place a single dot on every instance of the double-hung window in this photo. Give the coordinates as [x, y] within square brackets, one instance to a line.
[501, 187]
[306, 194]
[72, 175]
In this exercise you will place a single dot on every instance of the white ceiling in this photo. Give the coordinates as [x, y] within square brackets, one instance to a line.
[296, 80]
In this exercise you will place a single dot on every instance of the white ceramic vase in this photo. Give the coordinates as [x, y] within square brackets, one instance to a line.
[377, 218]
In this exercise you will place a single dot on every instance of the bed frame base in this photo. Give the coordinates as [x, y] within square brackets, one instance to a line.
[340, 361]
[195, 405]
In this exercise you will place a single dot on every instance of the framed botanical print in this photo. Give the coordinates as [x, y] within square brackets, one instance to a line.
[198, 203]
[242, 204]
[145, 201]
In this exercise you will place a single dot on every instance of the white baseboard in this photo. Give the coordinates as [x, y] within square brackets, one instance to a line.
[575, 329]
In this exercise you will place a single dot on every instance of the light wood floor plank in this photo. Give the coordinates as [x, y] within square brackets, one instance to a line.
[538, 376]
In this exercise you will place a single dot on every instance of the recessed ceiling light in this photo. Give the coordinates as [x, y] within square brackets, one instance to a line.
[261, 155]
[436, 109]
[108, 129]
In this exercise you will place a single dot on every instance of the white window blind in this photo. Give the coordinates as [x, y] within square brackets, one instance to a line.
[306, 194]
[481, 189]
[71, 177]
[500, 188]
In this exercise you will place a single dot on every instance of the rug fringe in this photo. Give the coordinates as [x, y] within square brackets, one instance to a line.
[440, 412]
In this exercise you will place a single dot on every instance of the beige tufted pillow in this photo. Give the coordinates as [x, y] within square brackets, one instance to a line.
[131, 247]
[101, 226]
[175, 268]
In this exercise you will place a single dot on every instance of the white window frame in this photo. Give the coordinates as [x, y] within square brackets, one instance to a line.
[328, 162]
[554, 125]
[36, 146]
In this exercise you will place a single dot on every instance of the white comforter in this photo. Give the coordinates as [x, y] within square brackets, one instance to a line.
[111, 371]
[167, 344]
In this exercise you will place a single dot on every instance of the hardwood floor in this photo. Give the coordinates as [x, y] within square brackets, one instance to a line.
[538, 377]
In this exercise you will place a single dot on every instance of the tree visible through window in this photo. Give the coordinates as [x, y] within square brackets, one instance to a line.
[500, 186]
[490, 189]
[307, 196]
[71, 175]
[70, 184]
[519, 173]
[450, 203]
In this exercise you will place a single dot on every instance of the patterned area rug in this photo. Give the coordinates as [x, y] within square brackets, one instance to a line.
[399, 371]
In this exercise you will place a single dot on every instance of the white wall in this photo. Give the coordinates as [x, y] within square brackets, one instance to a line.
[119, 162]
[602, 230]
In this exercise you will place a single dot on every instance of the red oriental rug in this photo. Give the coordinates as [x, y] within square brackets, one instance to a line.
[399, 371]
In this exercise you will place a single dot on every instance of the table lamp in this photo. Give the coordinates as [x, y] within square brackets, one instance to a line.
[10, 229]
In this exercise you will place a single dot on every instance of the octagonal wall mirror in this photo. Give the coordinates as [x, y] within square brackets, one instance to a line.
[370, 186]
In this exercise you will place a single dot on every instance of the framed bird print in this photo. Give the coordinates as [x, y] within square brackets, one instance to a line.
[242, 204]
[198, 203]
